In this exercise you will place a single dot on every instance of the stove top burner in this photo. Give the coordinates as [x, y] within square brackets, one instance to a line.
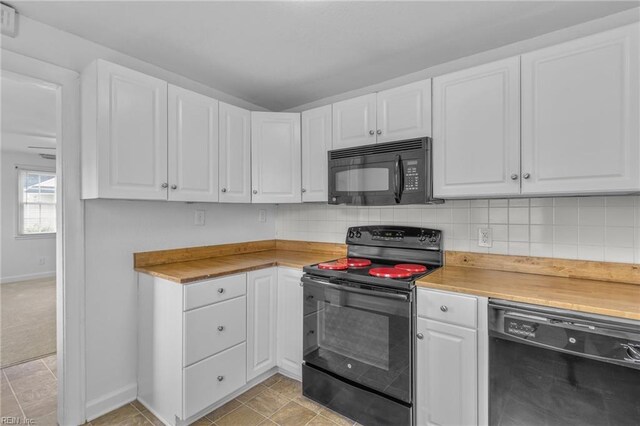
[390, 273]
[412, 267]
[335, 265]
[354, 262]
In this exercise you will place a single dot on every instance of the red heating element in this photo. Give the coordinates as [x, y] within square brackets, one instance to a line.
[412, 267]
[389, 273]
[336, 266]
[357, 263]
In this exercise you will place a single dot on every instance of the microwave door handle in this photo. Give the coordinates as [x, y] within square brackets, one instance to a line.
[399, 179]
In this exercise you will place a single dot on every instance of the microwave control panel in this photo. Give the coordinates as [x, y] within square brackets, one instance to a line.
[412, 175]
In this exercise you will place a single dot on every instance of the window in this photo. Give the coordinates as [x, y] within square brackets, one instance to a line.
[36, 202]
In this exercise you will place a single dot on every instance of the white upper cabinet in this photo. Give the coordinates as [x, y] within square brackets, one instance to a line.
[316, 142]
[235, 154]
[193, 146]
[354, 122]
[275, 157]
[476, 131]
[580, 115]
[404, 112]
[124, 133]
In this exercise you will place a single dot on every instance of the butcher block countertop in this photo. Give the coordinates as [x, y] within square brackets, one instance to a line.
[593, 287]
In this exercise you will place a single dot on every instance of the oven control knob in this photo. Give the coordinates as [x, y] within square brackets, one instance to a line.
[358, 234]
[422, 238]
[351, 234]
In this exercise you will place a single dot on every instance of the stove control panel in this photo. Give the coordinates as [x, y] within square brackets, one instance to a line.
[395, 236]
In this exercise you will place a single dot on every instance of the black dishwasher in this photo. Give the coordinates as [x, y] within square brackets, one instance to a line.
[553, 367]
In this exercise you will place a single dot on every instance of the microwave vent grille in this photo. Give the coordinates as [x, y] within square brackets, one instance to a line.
[383, 148]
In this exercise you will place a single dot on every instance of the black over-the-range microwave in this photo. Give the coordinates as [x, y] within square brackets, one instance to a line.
[382, 174]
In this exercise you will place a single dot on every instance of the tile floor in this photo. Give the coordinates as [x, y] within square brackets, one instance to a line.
[29, 391]
[276, 401]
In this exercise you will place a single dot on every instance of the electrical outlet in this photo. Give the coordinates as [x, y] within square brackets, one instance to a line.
[262, 216]
[198, 218]
[42, 260]
[484, 237]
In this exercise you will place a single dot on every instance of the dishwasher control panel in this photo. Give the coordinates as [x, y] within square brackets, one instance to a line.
[520, 328]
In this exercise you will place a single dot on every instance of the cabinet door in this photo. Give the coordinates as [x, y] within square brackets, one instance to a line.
[235, 154]
[354, 122]
[193, 146]
[404, 112]
[275, 157]
[316, 142]
[131, 134]
[262, 293]
[447, 375]
[290, 321]
[476, 131]
[580, 115]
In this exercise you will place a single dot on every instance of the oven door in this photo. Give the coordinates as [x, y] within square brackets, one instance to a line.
[359, 334]
[379, 179]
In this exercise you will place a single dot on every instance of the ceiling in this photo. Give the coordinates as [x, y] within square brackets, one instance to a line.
[283, 54]
[29, 115]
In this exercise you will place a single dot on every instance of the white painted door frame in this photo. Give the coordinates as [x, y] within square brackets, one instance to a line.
[70, 294]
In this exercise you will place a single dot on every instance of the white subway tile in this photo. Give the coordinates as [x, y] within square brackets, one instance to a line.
[591, 253]
[591, 202]
[479, 203]
[498, 215]
[541, 249]
[541, 215]
[498, 203]
[386, 216]
[566, 202]
[541, 202]
[620, 201]
[479, 215]
[460, 245]
[565, 251]
[519, 202]
[541, 234]
[458, 204]
[500, 232]
[618, 254]
[461, 215]
[443, 215]
[429, 215]
[565, 216]
[414, 215]
[620, 216]
[564, 234]
[461, 231]
[518, 215]
[591, 235]
[519, 233]
[591, 216]
[499, 247]
[374, 215]
[619, 237]
[519, 249]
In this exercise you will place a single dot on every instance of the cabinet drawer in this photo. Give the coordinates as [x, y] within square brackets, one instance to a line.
[214, 328]
[213, 378]
[448, 307]
[212, 291]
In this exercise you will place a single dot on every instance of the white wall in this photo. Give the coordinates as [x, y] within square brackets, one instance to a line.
[589, 228]
[20, 255]
[114, 231]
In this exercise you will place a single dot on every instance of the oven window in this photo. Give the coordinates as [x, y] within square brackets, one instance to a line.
[362, 179]
[363, 338]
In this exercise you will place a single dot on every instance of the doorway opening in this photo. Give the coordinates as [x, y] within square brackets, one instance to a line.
[28, 212]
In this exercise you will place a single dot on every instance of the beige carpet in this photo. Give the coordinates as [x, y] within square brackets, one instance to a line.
[28, 320]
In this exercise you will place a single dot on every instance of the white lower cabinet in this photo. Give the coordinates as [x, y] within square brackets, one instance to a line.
[451, 364]
[289, 338]
[261, 321]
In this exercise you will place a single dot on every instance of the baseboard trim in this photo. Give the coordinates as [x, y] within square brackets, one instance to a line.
[26, 277]
[109, 402]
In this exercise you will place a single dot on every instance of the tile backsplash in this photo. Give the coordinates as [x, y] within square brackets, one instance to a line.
[589, 228]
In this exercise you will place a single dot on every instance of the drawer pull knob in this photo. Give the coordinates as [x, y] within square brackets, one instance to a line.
[220, 378]
[220, 327]
[444, 308]
[221, 290]
[420, 336]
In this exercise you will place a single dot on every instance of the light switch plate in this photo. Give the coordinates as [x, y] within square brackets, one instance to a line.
[262, 216]
[198, 218]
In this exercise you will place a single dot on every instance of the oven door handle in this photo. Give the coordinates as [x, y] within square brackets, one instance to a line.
[399, 179]
[374, 293]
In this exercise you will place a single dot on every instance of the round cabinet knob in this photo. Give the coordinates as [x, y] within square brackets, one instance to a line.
[221, 290]
[165, 185]
[224, 190]
[371, 132]
[444, 308]
[255, 191]
[304, 190]
[526, 176]
[514, 177]
[174, 186]
[221, 328]
[420, 336]
[379, 132]
[220, 378]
